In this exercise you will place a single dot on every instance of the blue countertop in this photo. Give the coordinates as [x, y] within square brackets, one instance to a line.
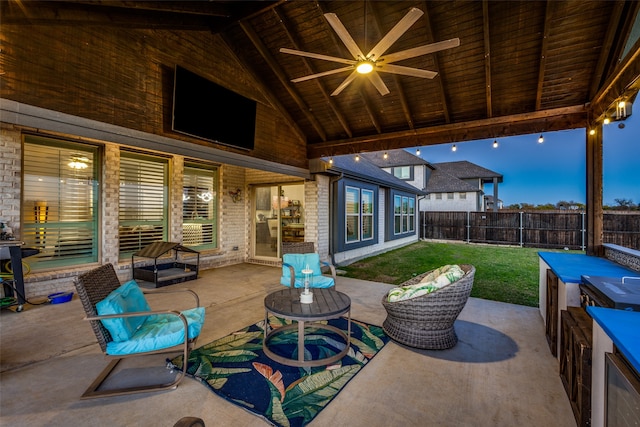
[623, 327]
[570, 267]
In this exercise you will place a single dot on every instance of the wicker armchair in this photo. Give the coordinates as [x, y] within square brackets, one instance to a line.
[426, 322]
[96, 285]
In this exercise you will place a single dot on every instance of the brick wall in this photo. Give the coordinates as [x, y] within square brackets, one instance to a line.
[10, 165]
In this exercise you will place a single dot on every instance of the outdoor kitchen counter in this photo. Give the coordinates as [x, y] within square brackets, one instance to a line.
[611, 327]
[570, 267]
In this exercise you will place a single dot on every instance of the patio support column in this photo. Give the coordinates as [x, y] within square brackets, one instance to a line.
[496, 207]
[594, 190]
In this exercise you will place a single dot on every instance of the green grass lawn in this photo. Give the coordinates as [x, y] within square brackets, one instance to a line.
[507, 274]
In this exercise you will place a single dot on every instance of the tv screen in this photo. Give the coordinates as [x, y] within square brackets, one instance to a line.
[206, 110]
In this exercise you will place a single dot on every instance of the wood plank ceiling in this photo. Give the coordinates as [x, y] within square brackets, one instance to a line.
[522, 66]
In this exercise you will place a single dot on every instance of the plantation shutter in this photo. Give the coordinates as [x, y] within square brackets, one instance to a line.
[199, 206]
[143, 201]
[60, 200]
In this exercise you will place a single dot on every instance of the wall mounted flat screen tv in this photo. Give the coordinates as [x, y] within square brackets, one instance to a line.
[206, 110]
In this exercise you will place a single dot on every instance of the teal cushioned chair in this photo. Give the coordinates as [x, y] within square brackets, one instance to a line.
[125, 326]
[296, 256]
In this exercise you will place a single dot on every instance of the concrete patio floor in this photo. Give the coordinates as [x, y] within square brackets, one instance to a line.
[501, 373]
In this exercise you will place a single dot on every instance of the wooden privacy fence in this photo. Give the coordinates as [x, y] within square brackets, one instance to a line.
[549, 229]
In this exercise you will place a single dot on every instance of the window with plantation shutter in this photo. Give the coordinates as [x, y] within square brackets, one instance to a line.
[199, 206]
[60, 202]
[143, 201]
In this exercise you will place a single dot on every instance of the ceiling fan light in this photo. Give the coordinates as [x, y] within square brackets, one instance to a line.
[364, 67]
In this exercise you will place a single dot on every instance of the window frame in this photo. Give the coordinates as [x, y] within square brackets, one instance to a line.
[214, 170]
[145, 234]
[63, 251]
[401, 220]
[366, 217]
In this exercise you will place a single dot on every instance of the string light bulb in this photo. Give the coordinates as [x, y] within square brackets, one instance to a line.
[454, 148]
[607, 120]
[592, 132]
[495, 143]
[540, 139]
[418, 152]
[385, 155]
[330, 160]
[357, 157]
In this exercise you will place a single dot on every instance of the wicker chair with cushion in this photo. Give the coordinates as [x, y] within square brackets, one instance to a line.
[426, 321]
[125, 326]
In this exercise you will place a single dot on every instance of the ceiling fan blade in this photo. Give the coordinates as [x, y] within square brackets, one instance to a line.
[395, 33]
[345, 83]
[406, 71]
[324, 73]
[420, 50]
[317, 56]
[344, 35]
[378, 83]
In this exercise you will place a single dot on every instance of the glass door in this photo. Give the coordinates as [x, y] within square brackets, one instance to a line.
[278, 216]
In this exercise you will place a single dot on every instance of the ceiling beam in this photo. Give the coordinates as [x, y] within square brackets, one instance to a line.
[518, 124]
[436, 66]
[339, 45]
[284, 80]
[264, 89]
[624, 82]
[400, 91]
[607, 48]
[543, 55]
[323, 90]
[487, 55]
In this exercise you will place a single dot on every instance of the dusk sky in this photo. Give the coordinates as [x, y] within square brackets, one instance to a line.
[554, 170]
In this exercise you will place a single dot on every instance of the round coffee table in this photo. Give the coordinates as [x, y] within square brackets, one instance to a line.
[327, 304]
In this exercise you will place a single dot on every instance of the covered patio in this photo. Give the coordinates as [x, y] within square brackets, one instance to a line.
[501, 372]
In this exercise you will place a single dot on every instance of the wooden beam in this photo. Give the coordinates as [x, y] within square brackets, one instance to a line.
[284, 80]
[400, 91]
[519, 124]
[325, 93]
[624, 82]
[440, 80]
[346, 54]
[594, 191]
[607, 47]
[266, 92]
[487, 57]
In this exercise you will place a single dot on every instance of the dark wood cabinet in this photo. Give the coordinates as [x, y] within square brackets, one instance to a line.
[551, 318]
[576, 336]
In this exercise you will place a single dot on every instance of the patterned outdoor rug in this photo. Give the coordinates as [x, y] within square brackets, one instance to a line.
[236, 368]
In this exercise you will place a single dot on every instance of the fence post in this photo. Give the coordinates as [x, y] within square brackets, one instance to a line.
[521, 229]
[468, 227]
[582, 245]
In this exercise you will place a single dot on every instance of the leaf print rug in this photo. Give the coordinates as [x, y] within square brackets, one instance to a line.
[236, 368]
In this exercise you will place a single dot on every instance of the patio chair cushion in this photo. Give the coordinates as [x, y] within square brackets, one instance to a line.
[300, 262]
[437, 279]
[160, 331]
[128, 298]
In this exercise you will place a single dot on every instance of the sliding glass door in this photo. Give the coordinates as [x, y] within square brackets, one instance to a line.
[278, 217]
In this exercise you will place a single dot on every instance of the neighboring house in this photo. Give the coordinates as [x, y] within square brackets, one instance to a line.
[488, 203]
[371, 211]
[450, 186]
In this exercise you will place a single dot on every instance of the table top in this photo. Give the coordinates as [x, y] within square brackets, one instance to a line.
[327, 302]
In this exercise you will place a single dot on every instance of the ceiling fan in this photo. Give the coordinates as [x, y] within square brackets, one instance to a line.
[375, 61]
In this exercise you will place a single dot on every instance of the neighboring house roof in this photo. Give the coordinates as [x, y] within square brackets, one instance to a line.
[367, 171]
[467, 170]
[394, 158]
[443, 182]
